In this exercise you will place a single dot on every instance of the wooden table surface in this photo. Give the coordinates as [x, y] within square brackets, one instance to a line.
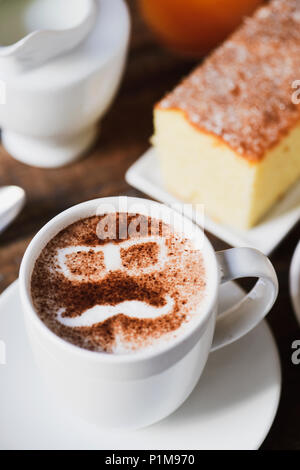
[123, 136]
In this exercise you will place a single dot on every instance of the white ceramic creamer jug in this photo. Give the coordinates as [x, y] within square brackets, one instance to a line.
[32, 31]
[61, 62]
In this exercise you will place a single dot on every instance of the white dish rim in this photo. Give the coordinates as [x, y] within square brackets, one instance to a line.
[294, 281]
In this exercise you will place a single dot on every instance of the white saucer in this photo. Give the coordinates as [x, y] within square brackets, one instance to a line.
[295, 281]
[232, 407]
[144, 175]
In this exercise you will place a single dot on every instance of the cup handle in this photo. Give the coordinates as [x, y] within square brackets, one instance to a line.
[248, 312]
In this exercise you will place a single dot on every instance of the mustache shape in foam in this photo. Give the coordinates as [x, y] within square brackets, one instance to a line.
[130, 308]
[112, 257]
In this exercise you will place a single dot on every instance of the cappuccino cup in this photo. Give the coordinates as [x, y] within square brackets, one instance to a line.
[116, 356]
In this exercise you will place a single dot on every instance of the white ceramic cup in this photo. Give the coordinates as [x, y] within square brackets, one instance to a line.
[136, 390]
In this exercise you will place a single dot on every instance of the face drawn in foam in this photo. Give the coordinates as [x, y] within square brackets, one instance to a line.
[119, 295]
[112, 259]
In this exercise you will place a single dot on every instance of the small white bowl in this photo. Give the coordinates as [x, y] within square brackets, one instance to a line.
[295, 281]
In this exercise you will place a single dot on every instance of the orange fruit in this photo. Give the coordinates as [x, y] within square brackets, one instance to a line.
[193, 27]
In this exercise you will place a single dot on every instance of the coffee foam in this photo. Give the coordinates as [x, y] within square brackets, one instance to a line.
[119, 296]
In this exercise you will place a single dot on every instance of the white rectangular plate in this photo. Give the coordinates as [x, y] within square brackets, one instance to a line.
[144, 175]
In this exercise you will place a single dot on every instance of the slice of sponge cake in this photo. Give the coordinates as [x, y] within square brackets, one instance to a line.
[229, 135]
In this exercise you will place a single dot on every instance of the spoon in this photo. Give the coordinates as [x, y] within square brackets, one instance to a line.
[12, 200]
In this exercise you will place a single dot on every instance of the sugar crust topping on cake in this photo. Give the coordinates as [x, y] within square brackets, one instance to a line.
[243, 91]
